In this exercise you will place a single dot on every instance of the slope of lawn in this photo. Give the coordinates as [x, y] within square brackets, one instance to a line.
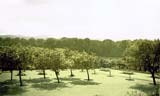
[101, 84]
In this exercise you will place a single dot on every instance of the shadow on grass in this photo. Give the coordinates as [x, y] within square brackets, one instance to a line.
[11, 88]
[68, 79]
[22, 74]
[95, 73]
[49, 86]
[78, 81]
[126, 72]
[110, 76]
[130, 79]
[156, 76]
[84, 82]
[37, 80]
[150, 90]
[143, 79]
[106, 70]
[136, 78]
[41, 73]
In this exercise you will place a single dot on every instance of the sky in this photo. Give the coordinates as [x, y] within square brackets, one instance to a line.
[94, 19]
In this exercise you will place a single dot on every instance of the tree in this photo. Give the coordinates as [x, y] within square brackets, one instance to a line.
[7, 59]
[41, 59]
[69, 60]
[13, 58]
[148, 53]
[57, 58]
[23, 60]
[95, 62]
[86, 61]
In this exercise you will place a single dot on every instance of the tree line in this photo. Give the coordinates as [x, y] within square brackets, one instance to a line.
[105, 48]
[70, 53]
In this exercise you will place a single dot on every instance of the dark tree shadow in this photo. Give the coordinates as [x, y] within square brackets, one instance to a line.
[37, 80]
[41, 73]
[78, 81]
[110, 76]
[141, 79]
[130, 79]
[156, 76]
[95, 73]
[49, 86]
[68, 79]
[105, 70]
[23, 74]
[125, 72]
[9, 82]
[84, 82]
[11, 88]
[150, 90]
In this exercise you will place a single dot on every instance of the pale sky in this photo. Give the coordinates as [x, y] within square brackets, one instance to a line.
[95, 19]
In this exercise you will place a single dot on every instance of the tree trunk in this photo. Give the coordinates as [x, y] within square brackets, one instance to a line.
[109, 73]
[129, 76]
[88, 74]
[82, 70]
[44, 74]
[20, 76]
[71, 73]
[11, 74]
[57, 76]
[153, 77]
[94, 71]
[140, 69]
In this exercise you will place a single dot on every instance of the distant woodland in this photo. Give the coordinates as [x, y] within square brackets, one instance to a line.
[105, 48]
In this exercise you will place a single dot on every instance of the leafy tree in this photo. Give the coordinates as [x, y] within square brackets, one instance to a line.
[23, 60]
[69, 60]
[147, 53]
[41, 59]
[13, 58]
[57, 58]
[7, 59]
[86, 62]
[95, 63]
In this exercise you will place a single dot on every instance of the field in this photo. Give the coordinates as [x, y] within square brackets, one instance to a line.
[101, 84]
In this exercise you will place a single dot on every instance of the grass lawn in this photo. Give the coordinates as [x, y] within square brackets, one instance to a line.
[101, 84]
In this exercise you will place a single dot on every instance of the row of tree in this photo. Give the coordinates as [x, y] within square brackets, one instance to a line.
[105, 48]
[56, 54]
[22, 58]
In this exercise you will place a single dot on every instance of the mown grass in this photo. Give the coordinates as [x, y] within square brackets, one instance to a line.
[99, 85]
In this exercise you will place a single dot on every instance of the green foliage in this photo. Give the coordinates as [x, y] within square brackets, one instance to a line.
[146, 54]
[57, 59]
[106, 48]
